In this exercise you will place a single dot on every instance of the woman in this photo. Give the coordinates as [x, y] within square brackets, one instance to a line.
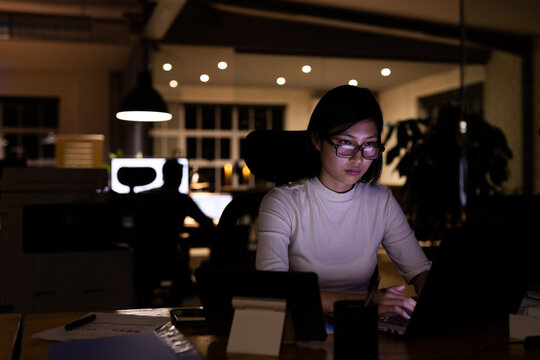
[333, 221]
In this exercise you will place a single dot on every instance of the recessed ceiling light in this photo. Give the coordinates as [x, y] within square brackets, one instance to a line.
[306, 69]
[222, 65]
[173, 83]
[353, 82]
[166, 67]
[204, 78]
[386, 71]
[281, 80]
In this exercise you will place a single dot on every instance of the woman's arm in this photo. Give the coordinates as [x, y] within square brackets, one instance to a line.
[418, 281]
[273, 234]
[389, 300]
[328, 298]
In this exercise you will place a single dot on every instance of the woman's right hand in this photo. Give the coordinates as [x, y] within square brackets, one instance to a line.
[392, 300]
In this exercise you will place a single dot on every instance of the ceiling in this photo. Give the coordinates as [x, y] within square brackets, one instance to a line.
[340, 39]
[256, 70]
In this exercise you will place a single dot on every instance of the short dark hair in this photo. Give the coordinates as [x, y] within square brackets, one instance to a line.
[172, 171]
[338, 110]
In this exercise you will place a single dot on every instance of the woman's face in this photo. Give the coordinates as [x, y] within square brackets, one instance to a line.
[340, 174]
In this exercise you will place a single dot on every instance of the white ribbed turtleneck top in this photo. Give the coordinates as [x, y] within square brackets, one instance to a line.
[305, 226]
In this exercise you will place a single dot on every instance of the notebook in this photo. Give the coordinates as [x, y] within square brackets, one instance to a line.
[166, 343]
[478, 276]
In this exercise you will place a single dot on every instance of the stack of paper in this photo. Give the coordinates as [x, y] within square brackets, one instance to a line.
[527, 321]
[118, 337]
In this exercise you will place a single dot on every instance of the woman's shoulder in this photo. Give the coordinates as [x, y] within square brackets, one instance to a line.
[288, 193]
[292, 189]
[371, 189]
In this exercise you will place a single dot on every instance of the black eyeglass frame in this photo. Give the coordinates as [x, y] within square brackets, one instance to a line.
[357, 148]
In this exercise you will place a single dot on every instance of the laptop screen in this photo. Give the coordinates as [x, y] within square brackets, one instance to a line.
[478, 276]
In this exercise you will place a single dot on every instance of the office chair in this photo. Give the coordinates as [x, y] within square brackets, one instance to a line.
[272, 155]
[236, 233]
[158, 259]
[278, 156]
[153, 236]
[136, 176]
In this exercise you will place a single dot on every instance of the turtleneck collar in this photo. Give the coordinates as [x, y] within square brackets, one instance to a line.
[328, 194]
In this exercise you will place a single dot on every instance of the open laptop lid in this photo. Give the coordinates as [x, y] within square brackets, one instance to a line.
[478, 276]
[300, 289]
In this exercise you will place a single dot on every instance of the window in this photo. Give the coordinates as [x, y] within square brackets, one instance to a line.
[27, 127]
[211, 136]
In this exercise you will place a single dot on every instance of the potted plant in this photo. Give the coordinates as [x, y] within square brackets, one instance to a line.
[429, 152]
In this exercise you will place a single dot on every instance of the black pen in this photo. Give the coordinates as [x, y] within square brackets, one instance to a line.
[369, 298]
[80, 322]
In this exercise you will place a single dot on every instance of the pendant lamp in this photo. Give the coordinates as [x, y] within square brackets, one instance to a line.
[144, 103]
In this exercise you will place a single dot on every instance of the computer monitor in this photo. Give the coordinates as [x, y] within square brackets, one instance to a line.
[217, 287]
[212, 204]
[154, 163]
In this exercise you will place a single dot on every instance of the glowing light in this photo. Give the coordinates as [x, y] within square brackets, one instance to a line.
[245, 174]
[353, 82]
[306, 69]
[173, 83]
[386, 72]
[227, 169]
[167, 67]
[281, 80]
[149, 116]
[462, 127]
[205, 78]
[222, 65]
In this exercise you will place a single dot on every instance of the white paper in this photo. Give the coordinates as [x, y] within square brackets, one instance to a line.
[105, 325]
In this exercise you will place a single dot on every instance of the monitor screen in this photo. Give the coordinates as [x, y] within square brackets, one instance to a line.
[212, 204]
[156, 164]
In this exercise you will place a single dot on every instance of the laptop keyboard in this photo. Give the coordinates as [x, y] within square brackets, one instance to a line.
[394, 320]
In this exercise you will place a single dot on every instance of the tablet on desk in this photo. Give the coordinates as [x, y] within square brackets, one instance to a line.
[300, 289]
[188, 317]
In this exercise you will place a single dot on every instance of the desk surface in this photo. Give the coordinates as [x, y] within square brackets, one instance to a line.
[487, 342]
[9, 325]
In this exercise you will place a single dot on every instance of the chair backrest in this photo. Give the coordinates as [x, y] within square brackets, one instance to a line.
[136, 176]
[277, 155]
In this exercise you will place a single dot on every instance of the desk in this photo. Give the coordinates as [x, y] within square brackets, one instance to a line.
[9, 326]
[487, 342]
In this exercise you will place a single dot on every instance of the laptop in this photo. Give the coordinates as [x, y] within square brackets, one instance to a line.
[478, 276]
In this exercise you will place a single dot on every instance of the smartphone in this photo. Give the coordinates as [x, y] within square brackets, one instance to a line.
[188, 317]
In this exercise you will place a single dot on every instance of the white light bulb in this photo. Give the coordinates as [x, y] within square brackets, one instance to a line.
[353, 82]
[222, 65]
[204, 78]
[143, 116]
[386, 72]
[167, 67]
[281, 80]
[306, 69]
[173, 83]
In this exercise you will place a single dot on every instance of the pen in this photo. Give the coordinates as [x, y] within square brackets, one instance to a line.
[80, 322]
[372, 292]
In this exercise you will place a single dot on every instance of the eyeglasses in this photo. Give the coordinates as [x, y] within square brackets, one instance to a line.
[347, 151]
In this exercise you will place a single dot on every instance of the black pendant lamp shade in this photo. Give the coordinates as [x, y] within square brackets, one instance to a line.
[144, 103]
